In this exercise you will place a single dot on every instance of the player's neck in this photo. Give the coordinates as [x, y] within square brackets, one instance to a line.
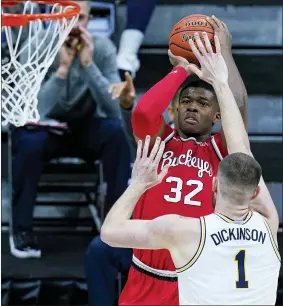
[198, 138]
[231, 210]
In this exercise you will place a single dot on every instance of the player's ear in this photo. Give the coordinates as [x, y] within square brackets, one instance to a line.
[217, 117]
[214, 184]
[171, 113]
[256, 192]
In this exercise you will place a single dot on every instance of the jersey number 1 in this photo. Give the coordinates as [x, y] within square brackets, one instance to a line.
[240, 258]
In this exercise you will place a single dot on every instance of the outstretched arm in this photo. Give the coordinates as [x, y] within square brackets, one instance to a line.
[214, 71]
[238, 141]
[126, 93]
[118, 230]
[235, 80]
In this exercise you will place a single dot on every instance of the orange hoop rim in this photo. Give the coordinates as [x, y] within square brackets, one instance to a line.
[19, 20]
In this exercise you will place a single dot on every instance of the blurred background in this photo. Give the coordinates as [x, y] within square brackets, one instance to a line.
[69, 193]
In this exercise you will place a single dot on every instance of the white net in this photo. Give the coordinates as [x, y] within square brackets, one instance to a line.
[21, 79]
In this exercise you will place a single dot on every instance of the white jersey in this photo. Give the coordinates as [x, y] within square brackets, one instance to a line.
[237, 263]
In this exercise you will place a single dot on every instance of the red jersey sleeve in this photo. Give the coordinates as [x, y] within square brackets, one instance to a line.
[147, 116]
[219, 147]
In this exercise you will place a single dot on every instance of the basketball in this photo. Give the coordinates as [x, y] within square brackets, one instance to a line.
[183, 30]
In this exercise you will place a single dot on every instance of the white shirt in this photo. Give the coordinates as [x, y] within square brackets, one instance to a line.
[237, 263]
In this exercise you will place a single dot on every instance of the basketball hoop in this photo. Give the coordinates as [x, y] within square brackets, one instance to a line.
[21, 81]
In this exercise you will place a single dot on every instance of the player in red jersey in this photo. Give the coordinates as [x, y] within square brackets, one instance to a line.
[193, 155]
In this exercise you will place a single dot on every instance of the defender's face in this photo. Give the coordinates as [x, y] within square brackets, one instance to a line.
[198, 111]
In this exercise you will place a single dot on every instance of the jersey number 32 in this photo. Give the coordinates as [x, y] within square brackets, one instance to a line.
[176, 191]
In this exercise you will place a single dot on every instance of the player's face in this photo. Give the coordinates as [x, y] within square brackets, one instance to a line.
[198, 111]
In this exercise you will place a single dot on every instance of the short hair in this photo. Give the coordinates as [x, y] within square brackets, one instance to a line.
[196, 82]
[238, 176]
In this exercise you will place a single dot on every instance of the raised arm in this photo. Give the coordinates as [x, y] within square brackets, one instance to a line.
[214, 71]
[235, 81]
[125, 91]
[119, 231]
[147, 116]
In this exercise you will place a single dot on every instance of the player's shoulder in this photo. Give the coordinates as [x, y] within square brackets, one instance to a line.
[271, 226]
[259, 218]
[215, 139]
[217, 143]
[212, 218]
[180, 226]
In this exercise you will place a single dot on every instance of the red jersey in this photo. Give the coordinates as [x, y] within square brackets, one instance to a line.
[186, 190]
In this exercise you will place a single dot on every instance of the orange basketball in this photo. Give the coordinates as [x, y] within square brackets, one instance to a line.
[183, 30]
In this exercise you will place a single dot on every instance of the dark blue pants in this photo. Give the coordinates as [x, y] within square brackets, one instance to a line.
[102, 264]
[102, 139]
[139, 13]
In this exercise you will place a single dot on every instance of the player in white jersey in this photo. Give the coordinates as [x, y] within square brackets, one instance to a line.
[230, 257]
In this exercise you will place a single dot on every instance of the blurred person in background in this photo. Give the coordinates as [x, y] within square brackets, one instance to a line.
[78, 118]
[102, 262]
[126, 93]
[139, 13]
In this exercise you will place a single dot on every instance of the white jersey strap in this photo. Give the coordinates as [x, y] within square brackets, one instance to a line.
[216, 149]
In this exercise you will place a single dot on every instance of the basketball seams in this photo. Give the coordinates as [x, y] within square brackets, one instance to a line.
[183, 48]
[198, 30]
[195, 16]
[192, 18]
[184, 30]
